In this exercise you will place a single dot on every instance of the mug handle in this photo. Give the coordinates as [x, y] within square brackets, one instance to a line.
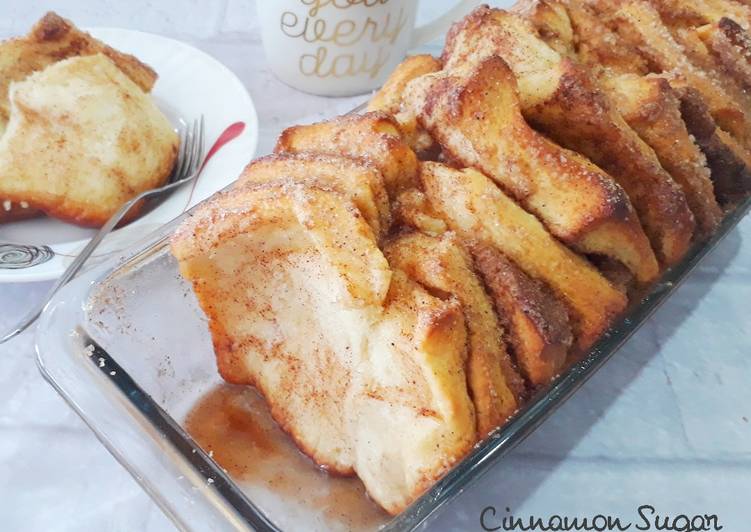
[432, 30]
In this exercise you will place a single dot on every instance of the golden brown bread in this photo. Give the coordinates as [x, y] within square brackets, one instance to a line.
[373, 137]
[389, 100]
[474, 114]
[562, 99]
[474, 207]
[82, 140]
[412, 208]
[53, 39]
[640, 24]
[362, 183]
[651, 108]
[729, 162]
[278, 267]
[536, 322]
[442, 266]
[389, 97]
[731, 46]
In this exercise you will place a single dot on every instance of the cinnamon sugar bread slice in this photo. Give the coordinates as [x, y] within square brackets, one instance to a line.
[562, 100]
[443, 267]
[361, 182]
[53, 39]
[474, 114]
[651, 107]
[535, 321]
[389, 100]
[480, 212]
[729, 161]
[361, 366]
[373, 137]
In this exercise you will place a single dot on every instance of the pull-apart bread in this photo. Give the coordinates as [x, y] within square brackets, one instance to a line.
[360, 365]
[534, 319]
[579, 203]
[82, 140]
[389, 100]
[398, 283]
[476, 209]
[358, 180]
[375, 138]
[80, 133]
[562, 99]
[53, 39]
[442, 266]
[649, 105]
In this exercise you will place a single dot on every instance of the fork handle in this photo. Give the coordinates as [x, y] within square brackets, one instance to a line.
[72, 269]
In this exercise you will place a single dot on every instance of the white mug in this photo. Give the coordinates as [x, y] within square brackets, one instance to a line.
[343, 47]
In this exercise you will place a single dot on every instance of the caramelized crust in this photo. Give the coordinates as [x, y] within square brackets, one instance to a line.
[479, 212]
[15, 212]
[729, 162]
[372, 137]
[550, 19]
[442, 266]
[731, 46]
[389, 100]
[561, 99]
[475, 116]
[536, 322]
[640, 24]
[650, 106]
[53, 39]
[362, 183]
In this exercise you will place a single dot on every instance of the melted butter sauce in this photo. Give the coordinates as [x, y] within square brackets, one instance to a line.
[234, 425]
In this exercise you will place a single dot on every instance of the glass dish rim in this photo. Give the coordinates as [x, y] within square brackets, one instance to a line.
[484, 456]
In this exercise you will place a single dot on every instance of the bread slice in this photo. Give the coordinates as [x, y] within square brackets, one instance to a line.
[279, 266]
[536, 323]
[650, 106]
[444, 268]
[83, 139]
[373, 137]
[359, 181]
[560, 98]
[731, 46]
[412, 208]
[640, 24]
[412, 418]
[53, 39]
[389, 100]
[474, 114]
[479, 212]
[729, 161]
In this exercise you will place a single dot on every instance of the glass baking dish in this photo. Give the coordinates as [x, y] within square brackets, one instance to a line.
[127, 347]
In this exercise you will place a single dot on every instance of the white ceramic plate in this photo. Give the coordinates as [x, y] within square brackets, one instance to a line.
[190, 83]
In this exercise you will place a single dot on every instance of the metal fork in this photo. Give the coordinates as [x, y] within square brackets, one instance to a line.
[187, 167]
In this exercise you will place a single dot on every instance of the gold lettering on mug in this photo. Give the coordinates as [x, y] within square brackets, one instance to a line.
[346, 33]
[343, 65]
[316, 5]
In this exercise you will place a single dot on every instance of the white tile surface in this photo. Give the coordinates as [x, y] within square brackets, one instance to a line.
[666, 422]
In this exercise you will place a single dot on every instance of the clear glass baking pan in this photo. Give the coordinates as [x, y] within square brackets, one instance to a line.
[127, 347]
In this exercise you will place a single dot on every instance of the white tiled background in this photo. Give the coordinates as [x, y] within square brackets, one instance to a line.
[666, 422]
